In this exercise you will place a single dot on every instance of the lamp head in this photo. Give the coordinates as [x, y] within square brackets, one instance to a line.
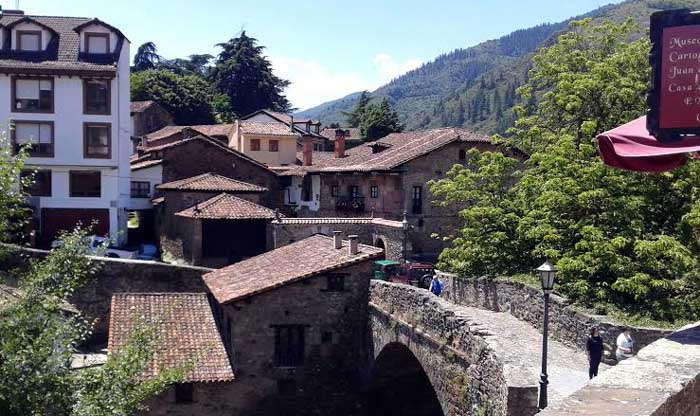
[546, 272]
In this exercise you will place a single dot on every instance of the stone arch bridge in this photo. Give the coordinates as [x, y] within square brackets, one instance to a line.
[431, 357]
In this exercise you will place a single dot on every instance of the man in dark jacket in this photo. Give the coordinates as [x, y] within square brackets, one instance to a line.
[594, 348]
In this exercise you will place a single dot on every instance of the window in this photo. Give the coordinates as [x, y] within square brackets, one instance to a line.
[255, 145]
[462, 154]
[354, 191]
[184, 393]
[29, 40]
[417, 199]
[32, 95]
[326, 337]
[140, 189]
[97, 140]
[274, 145]
[335, 283]
[85, 183]
[38, 135]
[41, 182]
[335, 190]
[374, 191]
[289, 345]
[96, 96]
[97, 43]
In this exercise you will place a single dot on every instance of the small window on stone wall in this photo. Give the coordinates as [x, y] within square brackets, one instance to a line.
[335, 283]
[462, 154]
[326, 337]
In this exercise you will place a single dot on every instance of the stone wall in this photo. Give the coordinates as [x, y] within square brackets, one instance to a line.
[333, 323]
[663, 379]
[567, 325]
[372, 231]
[119, 275]
[464, 371]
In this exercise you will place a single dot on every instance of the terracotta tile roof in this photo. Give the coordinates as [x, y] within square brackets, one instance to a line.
[157, 201]
[352, 133]
[207, 139]
[205, 129]
[188, 333]
[140, 106]
[266, 128]
[228, 207]
[291, 263]
[211, 182]
[143, 164]
[62, 54]
[399, 148]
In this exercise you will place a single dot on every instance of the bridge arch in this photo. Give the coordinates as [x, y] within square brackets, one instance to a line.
[399, 385]
[434, 352]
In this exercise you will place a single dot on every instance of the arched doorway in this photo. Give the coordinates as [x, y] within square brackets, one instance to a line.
[379, 243]
[399, 385]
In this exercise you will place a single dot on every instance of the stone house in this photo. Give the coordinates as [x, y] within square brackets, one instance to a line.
[386, 179]
[147, 117]
[292, 320]
[213, 220]
[187, 337]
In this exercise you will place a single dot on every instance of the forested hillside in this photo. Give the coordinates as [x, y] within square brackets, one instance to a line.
[475, 87]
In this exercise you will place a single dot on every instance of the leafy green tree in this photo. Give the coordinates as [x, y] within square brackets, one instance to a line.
[188, 98]
[146, 57]
[354, 117]
[12, 195]
[197, 64]
[619, 238]
[242, 72]
[40, 334]
[378, 120]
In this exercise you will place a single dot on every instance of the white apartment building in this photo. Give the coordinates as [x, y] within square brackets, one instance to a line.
[64, 88]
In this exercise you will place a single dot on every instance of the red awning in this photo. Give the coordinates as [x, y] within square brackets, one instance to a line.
[631, 147]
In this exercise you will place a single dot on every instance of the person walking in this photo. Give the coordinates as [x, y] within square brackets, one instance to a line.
[625, 345]
[436, 286]
[594, 348]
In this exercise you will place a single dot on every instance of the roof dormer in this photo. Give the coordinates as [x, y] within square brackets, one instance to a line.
[98, 38]
[29, 36]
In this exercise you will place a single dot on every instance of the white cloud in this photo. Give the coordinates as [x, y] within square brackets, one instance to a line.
[312, 84]
[389, 68]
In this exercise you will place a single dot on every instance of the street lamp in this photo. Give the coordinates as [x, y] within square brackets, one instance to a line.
[546, 272]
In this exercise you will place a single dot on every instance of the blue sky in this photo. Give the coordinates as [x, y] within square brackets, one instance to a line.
[327, 49]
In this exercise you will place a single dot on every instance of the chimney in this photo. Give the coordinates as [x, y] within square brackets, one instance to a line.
[339, 143]
[337, 240]
[308, 150]
[352, 249]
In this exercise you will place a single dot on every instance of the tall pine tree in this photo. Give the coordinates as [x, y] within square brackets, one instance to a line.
[242, 72]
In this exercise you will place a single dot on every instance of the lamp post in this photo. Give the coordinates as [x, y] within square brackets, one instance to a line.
[546, 272]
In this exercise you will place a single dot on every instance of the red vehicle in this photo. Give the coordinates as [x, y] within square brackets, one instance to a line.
[415, 274]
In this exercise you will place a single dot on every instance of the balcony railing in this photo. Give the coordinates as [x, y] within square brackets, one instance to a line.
[350, 203]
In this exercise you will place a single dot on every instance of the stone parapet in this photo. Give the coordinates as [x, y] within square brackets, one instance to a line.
[566, 324]
[662, 380]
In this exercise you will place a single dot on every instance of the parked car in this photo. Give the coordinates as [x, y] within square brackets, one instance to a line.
[415, 274]
[96, 242]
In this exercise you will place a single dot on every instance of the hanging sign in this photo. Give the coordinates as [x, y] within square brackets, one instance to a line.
[674, 98]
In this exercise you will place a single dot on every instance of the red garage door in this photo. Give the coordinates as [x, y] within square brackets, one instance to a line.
[54, 220]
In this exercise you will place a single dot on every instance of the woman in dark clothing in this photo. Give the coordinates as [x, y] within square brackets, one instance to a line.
[594, 347]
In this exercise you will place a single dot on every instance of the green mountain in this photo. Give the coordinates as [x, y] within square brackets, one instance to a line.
[475, 87]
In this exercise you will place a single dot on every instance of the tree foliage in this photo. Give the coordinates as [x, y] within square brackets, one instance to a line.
[146, 57]
[378, 120]
[354, 117]
[187, 98]
[244, 74]
[619, 238]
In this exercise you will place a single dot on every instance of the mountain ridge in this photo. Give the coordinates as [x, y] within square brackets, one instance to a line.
[475, 87]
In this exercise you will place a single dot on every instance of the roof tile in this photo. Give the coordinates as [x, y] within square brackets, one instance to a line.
[210, 182]
[188, 335]
[228, 207]
[305, 258]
